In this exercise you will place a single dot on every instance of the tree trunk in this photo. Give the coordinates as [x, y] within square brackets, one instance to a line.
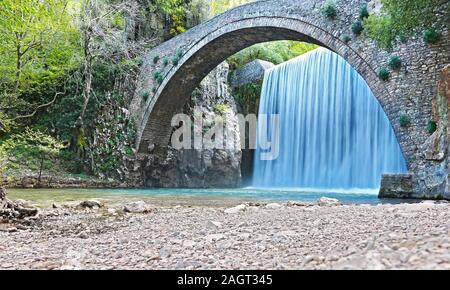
[18, 69]
[87, 77]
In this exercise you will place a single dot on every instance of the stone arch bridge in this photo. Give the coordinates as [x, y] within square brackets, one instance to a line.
[411, 91]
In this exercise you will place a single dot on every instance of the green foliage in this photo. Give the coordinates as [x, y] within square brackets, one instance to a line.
[154, 89]
[400, 18]
[329, 9]
[357, 27]
[247, 96]
[431, 36]
[36, 48]
[275, 52]
[156, 59]
[145, 96]
[346, 38]
[31, 150]
[431, 127]
[220, 6]
[175, 60]
[179, 53]
[363, 12]
[157, 75]
[404, 121]
[118, 21]
[383, 74]
[165, 61]
[395, 62]
[220, 109]
[379, 28]
[3, 163]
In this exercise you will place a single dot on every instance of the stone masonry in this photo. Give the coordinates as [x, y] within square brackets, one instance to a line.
[409, 91]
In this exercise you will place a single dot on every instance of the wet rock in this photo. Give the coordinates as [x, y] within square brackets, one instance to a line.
[90, 204]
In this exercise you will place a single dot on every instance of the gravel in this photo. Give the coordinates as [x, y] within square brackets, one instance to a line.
[279, 236]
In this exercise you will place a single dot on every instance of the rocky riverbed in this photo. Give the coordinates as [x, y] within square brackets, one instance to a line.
[321, 235]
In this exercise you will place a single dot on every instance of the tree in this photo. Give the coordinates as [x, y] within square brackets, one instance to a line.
[100, 37]
[37, 47]
[31, 148]
[34, 35]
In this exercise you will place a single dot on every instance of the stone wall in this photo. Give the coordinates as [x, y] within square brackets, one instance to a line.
[409, 91]
[252, 71]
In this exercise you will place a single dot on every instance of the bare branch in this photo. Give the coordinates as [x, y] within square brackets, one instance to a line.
[37, 108]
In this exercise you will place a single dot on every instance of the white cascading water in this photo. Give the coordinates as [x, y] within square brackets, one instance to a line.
[333, 132]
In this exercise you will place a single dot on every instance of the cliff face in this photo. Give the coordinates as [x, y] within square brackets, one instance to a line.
[437, 147]
[191, 168]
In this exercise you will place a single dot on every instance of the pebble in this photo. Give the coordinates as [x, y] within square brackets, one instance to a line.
[236, 209]
[288, 236]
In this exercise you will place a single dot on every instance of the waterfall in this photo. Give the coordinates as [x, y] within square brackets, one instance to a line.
[333, 133]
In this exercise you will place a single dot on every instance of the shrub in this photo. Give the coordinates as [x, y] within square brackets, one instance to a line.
[430, 36]
[395, 62]
[175, 60]
[379, 28]
[154, 90]
[329, 9]
[404, 121]
[431, 127]
[156, 59]
[145, 96]
[383, 74]
[158, 76]
[363, 12]
[32, 150]
[179, 53]
[165, 61]
[220, 109]
[346, 38]
[357, 27]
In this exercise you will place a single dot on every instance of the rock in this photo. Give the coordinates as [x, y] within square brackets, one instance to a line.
[90, 204]
[23, 203]
[215, 237]
[188, 244]
[165, 253]
[236, 209]
[54, 205]
[83, 235]
[429, 202]
[325, 201]
[214, 224]
[9, 230]
[273, 206]
[136, 207]
[250, 72]
[287, 233]
[253, 208]
[112, 211]
[298, 203]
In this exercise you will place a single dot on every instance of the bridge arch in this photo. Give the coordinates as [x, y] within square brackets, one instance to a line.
[208, 52]
[410, 91]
